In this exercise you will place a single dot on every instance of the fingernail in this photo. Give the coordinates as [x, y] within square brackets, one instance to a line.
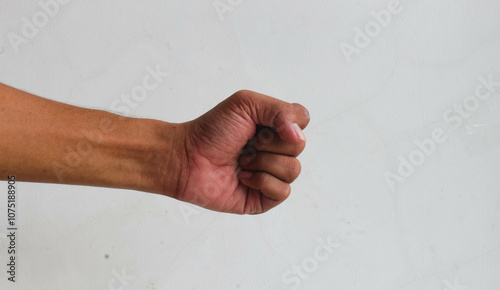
[299, 132]
[246, 174]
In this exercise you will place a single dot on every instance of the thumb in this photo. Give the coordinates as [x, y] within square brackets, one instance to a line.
[287, 119]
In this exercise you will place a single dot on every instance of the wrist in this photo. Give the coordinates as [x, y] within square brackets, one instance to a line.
[162, 157]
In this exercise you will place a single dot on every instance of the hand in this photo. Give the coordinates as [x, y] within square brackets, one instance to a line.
[241, 155]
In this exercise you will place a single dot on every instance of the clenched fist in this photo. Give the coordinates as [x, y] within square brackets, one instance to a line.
[241, 155]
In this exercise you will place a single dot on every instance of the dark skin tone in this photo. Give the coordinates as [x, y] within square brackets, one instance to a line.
[239, 157]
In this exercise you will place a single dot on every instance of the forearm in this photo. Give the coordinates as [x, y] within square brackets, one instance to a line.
[47, 141]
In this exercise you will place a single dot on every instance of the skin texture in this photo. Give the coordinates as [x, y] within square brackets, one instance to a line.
[239, 157]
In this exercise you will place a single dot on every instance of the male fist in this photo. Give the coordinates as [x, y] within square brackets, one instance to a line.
[240, 157]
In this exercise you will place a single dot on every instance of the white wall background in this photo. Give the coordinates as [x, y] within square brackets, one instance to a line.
[438, 229]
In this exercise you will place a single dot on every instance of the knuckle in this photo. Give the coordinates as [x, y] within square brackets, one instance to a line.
[293, 169]
[236, 98]
[242, 94]
[302, 111]
[286, 191]
[262, 178]
[298, 148]
[244, 101]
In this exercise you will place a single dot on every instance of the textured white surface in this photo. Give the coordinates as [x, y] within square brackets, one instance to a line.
[438, 229]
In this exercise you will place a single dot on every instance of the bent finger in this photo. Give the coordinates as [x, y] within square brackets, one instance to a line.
[269, 185]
